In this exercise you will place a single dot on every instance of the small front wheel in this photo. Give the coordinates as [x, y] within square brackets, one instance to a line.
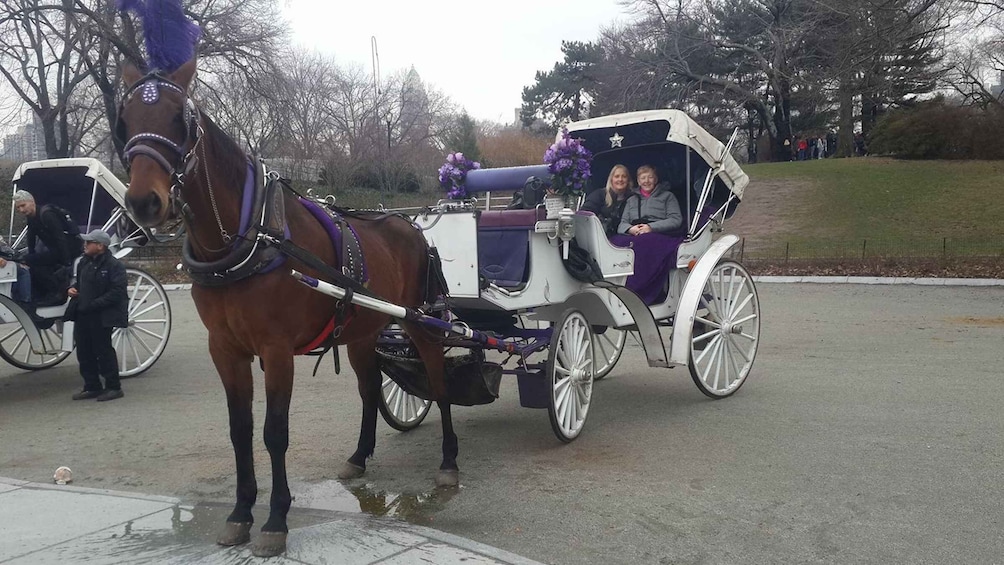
[570, 371]
[402, 411]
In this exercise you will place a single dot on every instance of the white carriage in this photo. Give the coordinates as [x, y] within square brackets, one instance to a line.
[504, 270]
[94, 197]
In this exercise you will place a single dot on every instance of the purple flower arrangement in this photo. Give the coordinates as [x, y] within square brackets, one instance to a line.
[568, 162]
[453, 173]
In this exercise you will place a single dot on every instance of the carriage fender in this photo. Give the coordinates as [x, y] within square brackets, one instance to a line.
[683, 327]
[11, 311]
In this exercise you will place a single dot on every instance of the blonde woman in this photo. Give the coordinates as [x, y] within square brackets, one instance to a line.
[608, 204]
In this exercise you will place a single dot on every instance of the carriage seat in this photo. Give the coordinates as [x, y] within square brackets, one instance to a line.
[504, 245]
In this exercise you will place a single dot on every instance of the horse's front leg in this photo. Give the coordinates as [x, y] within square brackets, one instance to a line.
[235, 372]
[278, 392]
[366, 365]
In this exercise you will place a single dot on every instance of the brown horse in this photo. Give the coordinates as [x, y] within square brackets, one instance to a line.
[181, 160]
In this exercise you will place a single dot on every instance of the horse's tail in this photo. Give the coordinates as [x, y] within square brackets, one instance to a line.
[435, 282]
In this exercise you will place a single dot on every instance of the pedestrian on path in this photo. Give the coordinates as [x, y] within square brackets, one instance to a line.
[100, 304]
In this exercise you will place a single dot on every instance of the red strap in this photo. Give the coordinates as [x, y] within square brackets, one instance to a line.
[330, 327]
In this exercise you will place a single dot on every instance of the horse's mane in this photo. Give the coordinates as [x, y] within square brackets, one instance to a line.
[230, 158]
[170, 37]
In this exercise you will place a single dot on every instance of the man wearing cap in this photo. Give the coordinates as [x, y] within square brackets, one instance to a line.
[100, 304]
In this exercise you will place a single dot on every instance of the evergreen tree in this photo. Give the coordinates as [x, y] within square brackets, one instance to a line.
[464, 138]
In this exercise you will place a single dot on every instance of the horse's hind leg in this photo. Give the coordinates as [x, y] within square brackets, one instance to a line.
[235, 373]
[278, 392]
[434, 360]
[366, 365]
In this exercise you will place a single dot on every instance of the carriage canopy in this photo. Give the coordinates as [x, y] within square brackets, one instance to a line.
[84, 187]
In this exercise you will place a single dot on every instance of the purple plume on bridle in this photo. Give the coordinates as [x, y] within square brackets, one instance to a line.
[169, 35]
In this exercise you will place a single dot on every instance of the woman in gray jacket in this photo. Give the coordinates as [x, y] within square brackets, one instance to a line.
[653, 208]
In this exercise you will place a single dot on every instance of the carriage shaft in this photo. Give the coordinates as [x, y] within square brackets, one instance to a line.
[405, 313]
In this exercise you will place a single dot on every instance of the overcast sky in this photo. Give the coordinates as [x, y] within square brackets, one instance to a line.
[480, 53]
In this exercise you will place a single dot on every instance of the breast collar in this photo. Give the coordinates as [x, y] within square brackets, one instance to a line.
[262, 204]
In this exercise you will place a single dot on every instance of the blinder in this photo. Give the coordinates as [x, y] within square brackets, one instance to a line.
[140, 144]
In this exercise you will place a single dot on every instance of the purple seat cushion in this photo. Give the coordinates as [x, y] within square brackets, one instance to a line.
[502, 255]
[524, 219]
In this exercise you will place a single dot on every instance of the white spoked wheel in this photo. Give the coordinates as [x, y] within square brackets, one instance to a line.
[726, 331]
[16, 349]
[138, 346]
[609, 346]
[402, 411]
[570, 370]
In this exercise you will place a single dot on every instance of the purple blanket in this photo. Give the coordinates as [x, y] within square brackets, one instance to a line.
[654, 256]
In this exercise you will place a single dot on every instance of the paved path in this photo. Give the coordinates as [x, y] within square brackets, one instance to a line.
[42, 524]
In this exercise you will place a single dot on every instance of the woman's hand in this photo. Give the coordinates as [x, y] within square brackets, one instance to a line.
[72, 292]
[639, 229]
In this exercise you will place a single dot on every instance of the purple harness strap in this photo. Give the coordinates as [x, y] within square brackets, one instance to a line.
[333, 233]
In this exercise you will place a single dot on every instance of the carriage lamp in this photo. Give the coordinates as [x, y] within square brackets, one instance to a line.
[566, 228]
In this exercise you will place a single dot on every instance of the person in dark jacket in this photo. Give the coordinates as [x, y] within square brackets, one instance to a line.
[51, 263]
[100, 304]
[608, 204]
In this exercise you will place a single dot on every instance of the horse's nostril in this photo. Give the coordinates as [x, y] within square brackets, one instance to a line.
[153, 205]
[146, 208]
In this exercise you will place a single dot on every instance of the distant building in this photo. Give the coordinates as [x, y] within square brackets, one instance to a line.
[996, 90]
[27, 143]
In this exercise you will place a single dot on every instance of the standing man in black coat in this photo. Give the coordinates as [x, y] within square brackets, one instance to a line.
[100, 304]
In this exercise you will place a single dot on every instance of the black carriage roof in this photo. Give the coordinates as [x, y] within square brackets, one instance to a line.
[640, 136]
[73, 184]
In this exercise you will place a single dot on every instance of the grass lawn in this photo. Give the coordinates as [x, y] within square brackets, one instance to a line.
[887, 199]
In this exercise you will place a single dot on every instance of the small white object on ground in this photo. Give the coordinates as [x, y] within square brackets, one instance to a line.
[63, 475]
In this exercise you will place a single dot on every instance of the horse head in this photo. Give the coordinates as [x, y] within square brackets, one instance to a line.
[159, 127]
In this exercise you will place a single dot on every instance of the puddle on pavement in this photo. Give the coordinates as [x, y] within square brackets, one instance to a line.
[417, 508]
[183, 534]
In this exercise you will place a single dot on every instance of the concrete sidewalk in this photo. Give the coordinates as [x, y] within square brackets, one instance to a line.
[41, 523]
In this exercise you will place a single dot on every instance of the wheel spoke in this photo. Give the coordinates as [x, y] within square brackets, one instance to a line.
[140, 302]
[11, 334]
[147, 309]
[744, 303]
[708, 348]
[705, 336]
[148, 332]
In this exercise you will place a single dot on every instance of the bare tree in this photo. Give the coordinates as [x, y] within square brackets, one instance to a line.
[49, 49]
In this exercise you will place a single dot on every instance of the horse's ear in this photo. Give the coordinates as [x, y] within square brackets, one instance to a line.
[185, 74]
[130, 74]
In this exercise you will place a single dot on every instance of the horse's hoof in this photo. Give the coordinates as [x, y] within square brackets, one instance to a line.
[269, 544]
[235, 533]
[351, 471]
[447, 478]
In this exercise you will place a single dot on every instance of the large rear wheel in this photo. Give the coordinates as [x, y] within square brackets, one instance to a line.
[143, 341]
[726, 331]
[609, 346]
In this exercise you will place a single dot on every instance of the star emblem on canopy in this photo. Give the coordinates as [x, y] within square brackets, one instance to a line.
[616, 140]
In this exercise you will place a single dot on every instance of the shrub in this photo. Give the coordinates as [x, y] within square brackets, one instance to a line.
[938, 130]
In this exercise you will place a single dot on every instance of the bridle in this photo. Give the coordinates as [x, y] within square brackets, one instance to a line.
[149, 88]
